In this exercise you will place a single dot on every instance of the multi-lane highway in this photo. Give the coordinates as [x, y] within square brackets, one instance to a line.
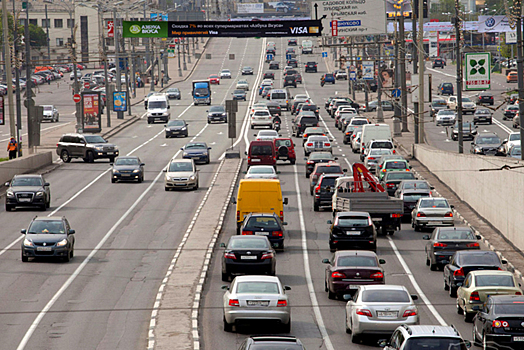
[127, 233]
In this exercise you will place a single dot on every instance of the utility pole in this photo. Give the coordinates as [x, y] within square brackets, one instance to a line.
[47, 36]
[459, 78]
[29, 103]
[178, 54]
[403, 88]
[106, 80]
[76, 87]
[414, 59]
[380, 114]
[520, 70]
[184, 52]
[421, 69]
[397, 110]
[8, 69]
[119, 115]
[152, 66]
[16, 64]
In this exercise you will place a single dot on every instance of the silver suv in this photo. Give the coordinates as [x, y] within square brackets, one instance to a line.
[181, 173]
[425, 337]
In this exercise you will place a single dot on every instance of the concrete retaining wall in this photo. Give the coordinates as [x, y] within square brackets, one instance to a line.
[23, 165]
[495, 195]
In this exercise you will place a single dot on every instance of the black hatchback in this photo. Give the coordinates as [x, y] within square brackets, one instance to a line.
[268, 225]
[352, 230]
[248, 255]
[290, 80]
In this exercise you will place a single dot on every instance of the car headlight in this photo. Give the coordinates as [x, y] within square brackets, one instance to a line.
[185, 154]
[192, 177]
[99, 148]
[39, 193]
[478, 149]
[136, 170]
[184, 128]
[10, 194]
[28, 243]
[62, 243]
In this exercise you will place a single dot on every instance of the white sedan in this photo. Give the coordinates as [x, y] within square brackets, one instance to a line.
[225, 74]
[267, 135]
[242, 85]
[261, 172]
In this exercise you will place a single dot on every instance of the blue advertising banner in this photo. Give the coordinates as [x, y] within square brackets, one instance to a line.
[119, 101]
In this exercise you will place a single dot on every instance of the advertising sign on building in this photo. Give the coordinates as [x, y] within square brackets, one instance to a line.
[478, 73]
[364, 17]
[493, 24]
[110, 29]
[91, 112]
[250, 8]
[119, 101]
[143, 29]
[368, 70]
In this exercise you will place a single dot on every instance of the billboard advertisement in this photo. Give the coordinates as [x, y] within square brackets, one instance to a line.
[250, 8]
[368, 70]
[145, 29]
[387, 78]
[110, 29]
[119, 101]
[493, 24]
[478, 72]
[364, 17]
[91, 112]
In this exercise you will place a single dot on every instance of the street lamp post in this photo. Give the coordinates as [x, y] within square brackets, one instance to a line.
[47, 37]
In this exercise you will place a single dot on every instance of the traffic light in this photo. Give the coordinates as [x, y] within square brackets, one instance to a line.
[424, 8]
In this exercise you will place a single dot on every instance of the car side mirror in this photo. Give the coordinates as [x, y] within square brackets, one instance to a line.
[431, 187]
[181, 148]
[244, 172]
[164, 170]
[381, 261]
[285, 201]
[382, 343]
[111, 164]
[24, 231]
[467, 343]
[452, 206]
[473, 143]
[245, 153]
[233, 201]
[142, 164]
[224, 287]
[336, 158]
[347, 297]
[209, 148]
[7, 182]
[71, 231]
[222, 245]
[278, 172]
[207, 111]
[478, 236]
[505, 141]
[284, 223]
[504, 261]
[329, 222]
[168, 107]
[325, 261]
[344, 170]
[47, 184]
[165, 125]
[426, 237]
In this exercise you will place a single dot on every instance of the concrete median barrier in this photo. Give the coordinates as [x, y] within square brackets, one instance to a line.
[28, 164]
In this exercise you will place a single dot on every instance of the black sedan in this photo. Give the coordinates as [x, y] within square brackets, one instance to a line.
[391, 180]
[484, 98]
[216, 113]
[29, 190]
[410, 198]
[173, 93]
[250, 255]
[247, 71]
[198, 151]
[48, 237]
[128, 168]
[317, 157]
[352, 230]
[469, 131]
[510, 112]
[292, 42]
[269, 75]
[268, 225]
[176, 128]
[239, 94]
[292, 62]
[274, 65]
[445, 241]
[482, 115]
[500, 322]
[465, 261]
[487, 143]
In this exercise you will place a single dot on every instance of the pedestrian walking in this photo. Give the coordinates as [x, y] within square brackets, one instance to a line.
[12, 148]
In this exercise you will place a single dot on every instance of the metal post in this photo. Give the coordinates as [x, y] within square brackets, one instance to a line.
[76, 88]
[189, 52]
[520, 70]
[397, 111]
[184, 53]
[403, 87]
[459, 80]
[152, 66]
[178, 54]
[9, 71]
[147, 40]
[47, 37]
[380, 114]
[414, 58]
[421, 69]
[119, 115]
[133, 73]
[29, 85]
[16, 64]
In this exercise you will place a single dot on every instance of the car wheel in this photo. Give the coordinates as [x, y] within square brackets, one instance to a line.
[111, 159]
[166, 188]
[446, 285]
[25, 258]
[331, 295]
[452, 291]
[140, 179]
[416, 227]
[90, 157]
[355, 338]
[459, 309]
[428, 262]
[468, 316]
[113, 180]
[67, 258]
[316, 207]
[227, 326]
[196, 186]
[225, 277]
[65, 156]
[433, 267]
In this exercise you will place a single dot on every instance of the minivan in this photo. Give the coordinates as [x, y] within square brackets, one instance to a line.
[261, 153]
[158, 109]
[282, 96]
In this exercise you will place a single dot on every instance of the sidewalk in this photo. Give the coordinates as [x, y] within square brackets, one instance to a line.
[50, 137]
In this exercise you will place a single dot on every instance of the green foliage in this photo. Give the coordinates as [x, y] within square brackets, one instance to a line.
[37, 35]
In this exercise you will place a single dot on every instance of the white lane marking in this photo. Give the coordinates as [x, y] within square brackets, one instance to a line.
[415, 284]
[502, 126]
[307, 269]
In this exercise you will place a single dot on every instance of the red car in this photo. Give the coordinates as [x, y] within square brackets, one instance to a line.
[214, 79]
[285, 149]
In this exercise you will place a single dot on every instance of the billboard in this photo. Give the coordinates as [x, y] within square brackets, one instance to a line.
[387, 78]
[144, 29]
[119, 101]
[250, 8]
[368, 70]
[478, 72]
[396, 8]
[110, 29]
[493, 24]
[91, 112]
[363, 17]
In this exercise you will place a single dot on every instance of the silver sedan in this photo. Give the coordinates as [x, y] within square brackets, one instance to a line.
[379, 309]
[261, 172]
[252, 298]
[432, 212]
[317, 143]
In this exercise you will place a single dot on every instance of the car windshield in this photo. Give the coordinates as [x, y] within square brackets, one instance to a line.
[327, 182]
[510, 308]
[494, 281]
[488, 140]
[416, 185]
[515, 151]
[156, 104]
[172, 90]
[216, 109]
[176, 123]
[456, 234]
[320, 155]
[213, 76]
[262, 150]
[400, 176]
[201, 92]
[396, 165]
[257, 287]
[483, 111]
[413, 197]
[465, 99]
[47, 226]
[195, 145]
[247, 68]
[382, 144]
[359, 121]
[355, 260]
[262, 222]
[329, 169]
[180, 167]
[241, 92]
[434, 343]
[385, 296]
[514, 137]
[434, 203]
[48, 108]
[26, 181]
[487, 259]
[352, 221]
[261, 113]
[379, 152]
[268, 133]
[441, 103]
[446, 112]
[94, 139]
[247, 243]
[126, 161]
[318, 138]
[261, 170]
[278, 95]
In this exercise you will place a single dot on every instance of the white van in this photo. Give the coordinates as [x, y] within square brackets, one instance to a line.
[282, 96]
[307, 47]
[158, 108]
[374, 132]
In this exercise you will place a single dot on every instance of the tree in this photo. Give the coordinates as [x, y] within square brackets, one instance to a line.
[37, 35]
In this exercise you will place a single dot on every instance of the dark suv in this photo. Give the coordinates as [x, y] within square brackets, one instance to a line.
[48, 237]
[303, 122]
[439, 63]
[323, 191]
[445, 89]
[290, 80]
[352, 230]
[311, 67]
[27, 191]
[87, 147]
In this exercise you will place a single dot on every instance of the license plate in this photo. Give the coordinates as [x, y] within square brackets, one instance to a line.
[255, 160]
[24, 200]
[376, 219]
[435, 222]
[352, 286]
[353, 233]
[180, 184]
[44, 249]
[125, 175]
[283, 157]
[258, 303]
[262, 233]
[518, 338]
[248, 257]
[109, 153]
[387, 313]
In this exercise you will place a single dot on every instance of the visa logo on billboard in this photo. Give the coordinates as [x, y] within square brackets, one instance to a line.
[299, 30]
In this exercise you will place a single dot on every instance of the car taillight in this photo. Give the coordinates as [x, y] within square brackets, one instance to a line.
[518, 293]
[247, 233]
[421, 215]
[309, 144]
[377, 275]
[229, 256]
[298, 125]
[396, 215]
[304, 136]
[238, 215]
[390, 185]
[409, 312]
[394, 151]
[371, 158]
[364, 312]
[317, 189]
[499, 324]
[474, 296]
[281, 215]
[277, 233]
[337, 274]
[348, 133]
[472, 245]
[459, 272]
[267, 256]
[440, 245]
[449, 215]
[327, 144]
[310, 162]
[234, 302]
[281, 303]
